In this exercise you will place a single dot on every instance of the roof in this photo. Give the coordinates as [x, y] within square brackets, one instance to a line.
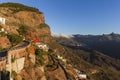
[36, 40]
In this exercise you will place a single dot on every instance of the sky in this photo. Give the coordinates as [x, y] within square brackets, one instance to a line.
[78, 16]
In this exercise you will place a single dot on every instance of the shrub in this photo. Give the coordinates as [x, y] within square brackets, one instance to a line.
[2, 34]
[39, 56]
[12, 60]
[22, 30]
[14, 38]
[20, 7]
[14, 74]
[43, 25]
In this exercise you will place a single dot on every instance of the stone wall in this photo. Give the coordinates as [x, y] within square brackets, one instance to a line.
[2, 65]
[18, 53]
[18, 64]
[16, 58]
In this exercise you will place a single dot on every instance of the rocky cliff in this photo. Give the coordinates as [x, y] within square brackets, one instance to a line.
[27, 23]
[30, 18]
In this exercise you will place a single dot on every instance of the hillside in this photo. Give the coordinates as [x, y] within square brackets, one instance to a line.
[82, 50]
[19, 7]
[29, 52]
[108, 44]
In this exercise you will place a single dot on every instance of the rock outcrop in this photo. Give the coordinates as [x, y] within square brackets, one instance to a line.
[28, 23]
[4, 42]
[33, 20]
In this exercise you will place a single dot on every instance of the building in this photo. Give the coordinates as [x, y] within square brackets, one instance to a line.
[43, 46]
[82, 76]
[2, 20]
[36, 41]
[40, 45]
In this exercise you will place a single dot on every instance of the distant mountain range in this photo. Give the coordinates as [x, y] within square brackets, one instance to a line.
[108, 44]
[100, 52]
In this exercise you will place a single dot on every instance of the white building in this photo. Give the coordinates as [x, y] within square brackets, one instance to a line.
[2, 20]
[82, 76]
[43, 46]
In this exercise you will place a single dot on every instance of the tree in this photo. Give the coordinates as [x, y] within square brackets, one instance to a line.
[39, 56]
[22, 30]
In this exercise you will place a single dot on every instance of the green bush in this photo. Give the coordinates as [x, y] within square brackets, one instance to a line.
[20, 7]
[22, 30]
[39, 56]
[1, 48]
[14, 38]
[2, 34]
[40, 52]
[14, 74]
[12, 60]
[43, 25]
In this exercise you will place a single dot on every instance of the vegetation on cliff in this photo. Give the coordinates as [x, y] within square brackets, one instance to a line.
[97, 65]
[14, 38]
[19, 7]
[22, 30]
[39, 56]
[44, 25]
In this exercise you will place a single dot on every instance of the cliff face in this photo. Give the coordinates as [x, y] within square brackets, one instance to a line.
[30, 18]
[25, 17]
[4, 42]
[33, 21]
[30, 24]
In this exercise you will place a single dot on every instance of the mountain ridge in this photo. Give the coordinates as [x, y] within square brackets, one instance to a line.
[111, 40]
[90, 54]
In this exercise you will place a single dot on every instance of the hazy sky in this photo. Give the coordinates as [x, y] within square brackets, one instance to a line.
[79, 16]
